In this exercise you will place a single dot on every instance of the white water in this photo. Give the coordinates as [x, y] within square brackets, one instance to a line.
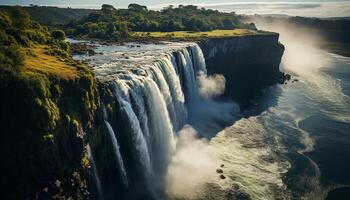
[153, 85]
[95, 172]
[117, 154]
[161, 87]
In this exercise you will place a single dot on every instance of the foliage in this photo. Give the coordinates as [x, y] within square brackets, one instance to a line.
[54, 15]
[16, 31]
[111, 23]
[41, 84]
[58, 34]
[191, 34]
[107, 8]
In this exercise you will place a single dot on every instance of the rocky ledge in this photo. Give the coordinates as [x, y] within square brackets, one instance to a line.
[249, 63]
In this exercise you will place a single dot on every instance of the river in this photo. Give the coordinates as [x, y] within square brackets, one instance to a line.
[294, 142]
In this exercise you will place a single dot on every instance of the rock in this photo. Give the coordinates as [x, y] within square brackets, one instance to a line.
[91, 52]
[295, 80]
[82, 49]
[222, 165]
[249, 64]
[219, 171]
[58, 183]
[222, 176]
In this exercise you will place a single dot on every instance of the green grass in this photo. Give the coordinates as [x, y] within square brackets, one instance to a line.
[38, 60]
[190, 34]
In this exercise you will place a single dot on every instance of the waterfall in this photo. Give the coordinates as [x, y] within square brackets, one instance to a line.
[190, 84]
[95, 172]
[152, 89]
[139, 146]
[117, 154]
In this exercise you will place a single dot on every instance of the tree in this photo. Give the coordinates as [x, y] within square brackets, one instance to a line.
[137, 7]
[5, 21]
[58, 35]
[110, 29]
[123, 30]
[21, 18]
[107, 8]
[94, 17]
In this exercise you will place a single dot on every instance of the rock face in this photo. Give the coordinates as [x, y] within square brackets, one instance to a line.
[51, 120]
[45, 123]
[249, 63]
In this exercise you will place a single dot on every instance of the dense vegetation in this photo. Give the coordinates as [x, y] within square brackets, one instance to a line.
[18, 33]
[53, 15]
[190, 35]
[111, 23]
[47, 101]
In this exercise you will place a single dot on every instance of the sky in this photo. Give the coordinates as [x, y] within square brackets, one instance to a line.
[310, 8]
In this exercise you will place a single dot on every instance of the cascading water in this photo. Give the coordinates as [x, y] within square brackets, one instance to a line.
[117, 153]
[151, 85]
[94, 170]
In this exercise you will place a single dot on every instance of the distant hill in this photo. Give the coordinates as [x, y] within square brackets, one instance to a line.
[54, 15]
[331, 29]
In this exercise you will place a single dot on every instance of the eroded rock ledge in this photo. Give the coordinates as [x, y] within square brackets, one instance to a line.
[249, 63]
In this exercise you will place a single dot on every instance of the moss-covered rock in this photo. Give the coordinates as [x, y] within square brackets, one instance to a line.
[47, 107]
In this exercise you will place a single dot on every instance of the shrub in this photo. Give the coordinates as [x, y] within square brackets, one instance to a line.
[58, 35]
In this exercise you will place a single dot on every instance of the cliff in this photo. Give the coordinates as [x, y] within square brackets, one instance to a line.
[44, 119]
[51, 112]
[154, 92]
[249, 63]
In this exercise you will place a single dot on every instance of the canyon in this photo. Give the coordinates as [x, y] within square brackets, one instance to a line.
[118, 145]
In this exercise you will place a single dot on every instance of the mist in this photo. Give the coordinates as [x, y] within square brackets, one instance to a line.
[194, 161]
[192, 164]
[208, 114]
[211, 86]
[303, 54]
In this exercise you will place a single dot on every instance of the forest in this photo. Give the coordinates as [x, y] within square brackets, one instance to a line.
[112, 23]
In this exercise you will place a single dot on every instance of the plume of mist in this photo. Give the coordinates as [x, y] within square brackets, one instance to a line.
[194, 161]
[209, 115]
[192, 165]
[211, 86]
[302, 56]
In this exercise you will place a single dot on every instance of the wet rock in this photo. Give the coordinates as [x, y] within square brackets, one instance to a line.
[295, 80]
[91, 52]
[219, 171]
[58, 183]
[222, 165]
[222, 176]
[82, 48]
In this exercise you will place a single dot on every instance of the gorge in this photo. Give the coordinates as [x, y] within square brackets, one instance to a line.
[118, 132]
[184, 102]
[150, 91]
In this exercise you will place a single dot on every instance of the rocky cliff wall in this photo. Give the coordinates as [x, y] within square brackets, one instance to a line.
[45, 121]
[50, 120]
[249, 63]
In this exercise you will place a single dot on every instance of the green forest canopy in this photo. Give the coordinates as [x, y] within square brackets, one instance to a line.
[109, 22]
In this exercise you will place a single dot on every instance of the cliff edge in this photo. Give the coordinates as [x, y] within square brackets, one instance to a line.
[249, 63]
